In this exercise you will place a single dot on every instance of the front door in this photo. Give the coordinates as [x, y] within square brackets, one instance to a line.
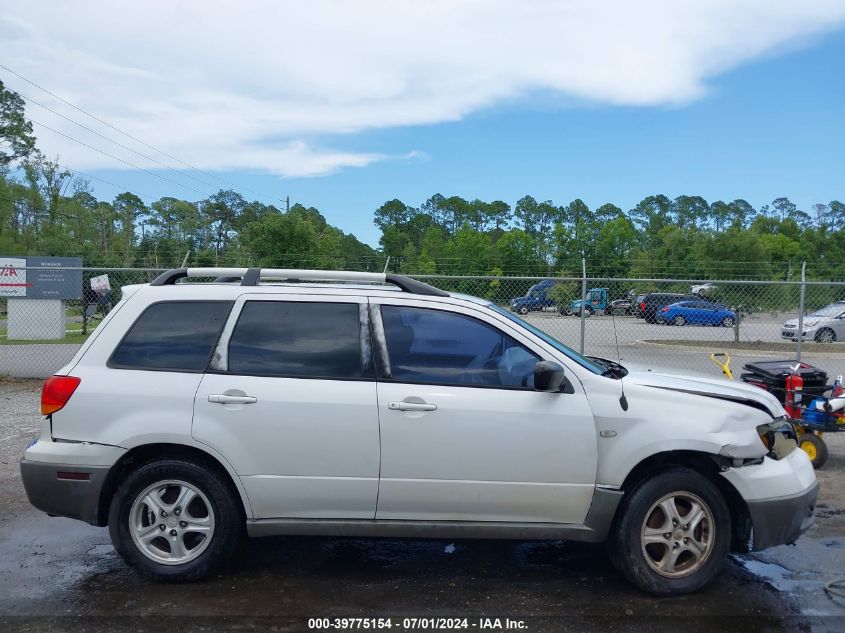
[464, 436]
[290, 403]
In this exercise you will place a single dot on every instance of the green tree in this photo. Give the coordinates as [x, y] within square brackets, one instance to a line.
[16, 138]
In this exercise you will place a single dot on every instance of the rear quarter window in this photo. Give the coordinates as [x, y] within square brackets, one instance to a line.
[172, 336]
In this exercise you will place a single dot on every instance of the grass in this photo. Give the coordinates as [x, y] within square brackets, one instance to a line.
[71, 337]
[785, 346]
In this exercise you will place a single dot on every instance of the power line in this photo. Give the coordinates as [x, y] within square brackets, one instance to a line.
[119, 144]
[125, 162]
[126, 134]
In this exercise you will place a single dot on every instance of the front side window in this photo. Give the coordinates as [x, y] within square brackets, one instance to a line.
[434, 346]
[297, 340]
[172, 335]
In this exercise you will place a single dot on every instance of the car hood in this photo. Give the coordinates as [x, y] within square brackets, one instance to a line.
[722, 389]
[809, 321]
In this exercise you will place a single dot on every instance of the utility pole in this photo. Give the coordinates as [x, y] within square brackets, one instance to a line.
[287, 204]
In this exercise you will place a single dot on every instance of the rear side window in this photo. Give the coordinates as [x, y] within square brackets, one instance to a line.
[434, 346]
[172, 336]
[297, 340]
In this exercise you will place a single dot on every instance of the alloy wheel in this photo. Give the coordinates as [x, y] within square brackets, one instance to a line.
[171, 522]
[678, 535]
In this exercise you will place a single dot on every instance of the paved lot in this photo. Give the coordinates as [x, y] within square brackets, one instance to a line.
[61, 575]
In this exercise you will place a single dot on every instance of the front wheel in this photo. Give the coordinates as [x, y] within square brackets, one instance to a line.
[673, 533]
[175, 519]
[727, 321]
[523, 310]
[826, 335]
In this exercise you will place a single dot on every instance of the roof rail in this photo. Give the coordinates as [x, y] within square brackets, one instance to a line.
[252, 276]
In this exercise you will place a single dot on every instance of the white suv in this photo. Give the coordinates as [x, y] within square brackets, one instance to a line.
[375, 405]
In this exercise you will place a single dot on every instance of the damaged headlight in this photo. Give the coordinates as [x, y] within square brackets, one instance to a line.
[779, 437]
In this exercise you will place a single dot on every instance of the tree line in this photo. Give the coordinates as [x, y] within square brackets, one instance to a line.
[686, 237]
[45, 209]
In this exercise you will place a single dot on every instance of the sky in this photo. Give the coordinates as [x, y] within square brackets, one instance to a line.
[343, 106]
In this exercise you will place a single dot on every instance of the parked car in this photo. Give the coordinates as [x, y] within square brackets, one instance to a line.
[824, 326]
[696, 313]
[702, 289]
[639, 306]
[198, 413]
[652, 302]
[536, 298]
[625, 305]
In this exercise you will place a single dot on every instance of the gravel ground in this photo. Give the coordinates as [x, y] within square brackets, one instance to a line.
[19, 424]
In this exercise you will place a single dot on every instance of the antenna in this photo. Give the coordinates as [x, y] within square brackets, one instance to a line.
[386, 264]
[623, 401]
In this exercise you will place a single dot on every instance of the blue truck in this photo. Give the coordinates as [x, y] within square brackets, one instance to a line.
[596, 303]
[536, 298]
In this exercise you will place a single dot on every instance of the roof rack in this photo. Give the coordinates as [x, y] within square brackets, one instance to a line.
[252, 276]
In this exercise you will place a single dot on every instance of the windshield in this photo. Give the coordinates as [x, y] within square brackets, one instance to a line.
[570, 353]
[833, 310]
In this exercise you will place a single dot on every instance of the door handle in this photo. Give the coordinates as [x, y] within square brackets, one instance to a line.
[411, 406]
[222, 398]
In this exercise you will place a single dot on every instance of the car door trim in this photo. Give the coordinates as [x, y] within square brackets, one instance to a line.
[595, 528]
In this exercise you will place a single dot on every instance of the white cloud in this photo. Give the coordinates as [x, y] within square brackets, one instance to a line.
[263, 85]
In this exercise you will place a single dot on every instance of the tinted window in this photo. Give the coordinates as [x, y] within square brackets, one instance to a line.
[297, 339]
[173, 335]
[433, 346]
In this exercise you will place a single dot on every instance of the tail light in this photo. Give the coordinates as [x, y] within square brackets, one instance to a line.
[56, 392]
[642, 306]
[664, 309]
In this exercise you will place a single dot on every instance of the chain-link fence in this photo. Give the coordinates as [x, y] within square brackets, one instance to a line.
[674, 324]
[38, 336]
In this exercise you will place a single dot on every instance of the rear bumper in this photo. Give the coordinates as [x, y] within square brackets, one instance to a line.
[66, 478]
[50, 491]
[782, 520]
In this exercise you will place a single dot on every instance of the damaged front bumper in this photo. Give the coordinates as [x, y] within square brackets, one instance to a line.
[782, 520]
[780, 495]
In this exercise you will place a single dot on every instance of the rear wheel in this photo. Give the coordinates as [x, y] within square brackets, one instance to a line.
[673, 533]
[815, 448]
[175, 519]
[826, 335]
[679, 320]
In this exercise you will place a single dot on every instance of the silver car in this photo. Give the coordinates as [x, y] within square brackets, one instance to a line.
[824, 326]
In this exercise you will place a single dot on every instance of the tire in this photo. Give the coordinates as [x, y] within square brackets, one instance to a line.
[727, 322]
[826, 335]
[641, 510]
[679, 320]
[160, 481]
[523, 310]
[588, 312]
[815, 447]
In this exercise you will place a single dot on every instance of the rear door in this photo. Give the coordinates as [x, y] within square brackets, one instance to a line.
[464, 435]
[290, 401]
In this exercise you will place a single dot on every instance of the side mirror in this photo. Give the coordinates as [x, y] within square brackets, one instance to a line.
[548, 376]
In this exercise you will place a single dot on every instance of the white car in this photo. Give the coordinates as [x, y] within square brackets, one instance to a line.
[702, 289]
[197, 413]
[826, 325]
